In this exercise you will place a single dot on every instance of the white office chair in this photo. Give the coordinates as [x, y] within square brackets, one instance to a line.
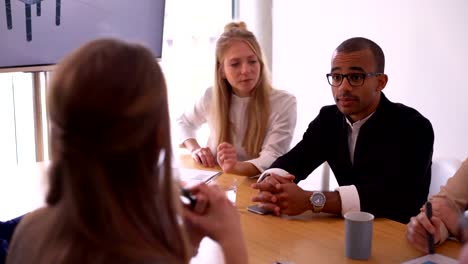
[442, 170]
[322, 179]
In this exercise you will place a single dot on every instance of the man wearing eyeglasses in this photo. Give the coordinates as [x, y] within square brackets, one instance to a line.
[379, 151]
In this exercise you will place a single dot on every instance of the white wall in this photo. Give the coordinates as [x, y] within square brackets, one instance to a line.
[426, 48]
[257, 15]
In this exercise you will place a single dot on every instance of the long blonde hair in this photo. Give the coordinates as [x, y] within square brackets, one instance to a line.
[258, 110]
[111, 179]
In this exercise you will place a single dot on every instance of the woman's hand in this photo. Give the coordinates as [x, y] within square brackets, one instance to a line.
[217, 217]
[196, 234]
[417, 229]
[204, 157]
[448, 212]
[219, 220]
[227, 157]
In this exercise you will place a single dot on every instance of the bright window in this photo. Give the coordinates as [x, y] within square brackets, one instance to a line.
[17, 138]
[191, 29]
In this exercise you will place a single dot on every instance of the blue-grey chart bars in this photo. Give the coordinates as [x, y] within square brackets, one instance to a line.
[27, 5]
[8, 14]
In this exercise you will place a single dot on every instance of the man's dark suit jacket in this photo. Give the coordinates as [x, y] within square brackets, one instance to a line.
[392, 157]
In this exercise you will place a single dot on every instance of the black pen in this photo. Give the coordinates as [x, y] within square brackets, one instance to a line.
[430, 237]
[188, 198]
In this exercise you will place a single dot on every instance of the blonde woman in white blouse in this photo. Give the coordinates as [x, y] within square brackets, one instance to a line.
[251, 123]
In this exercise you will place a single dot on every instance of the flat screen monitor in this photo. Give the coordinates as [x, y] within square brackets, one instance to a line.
[42, 32]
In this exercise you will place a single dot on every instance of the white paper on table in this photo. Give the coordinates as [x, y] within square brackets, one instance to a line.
[191, 177]
[432, 259]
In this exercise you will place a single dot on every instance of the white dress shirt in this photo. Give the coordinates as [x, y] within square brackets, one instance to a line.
[349, 194]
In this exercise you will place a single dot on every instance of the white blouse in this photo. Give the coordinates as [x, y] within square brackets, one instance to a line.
[281, 125]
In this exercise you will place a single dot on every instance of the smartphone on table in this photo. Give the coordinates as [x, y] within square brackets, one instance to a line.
[255, 208]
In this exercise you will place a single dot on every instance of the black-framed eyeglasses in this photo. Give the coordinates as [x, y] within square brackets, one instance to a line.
[354, 79]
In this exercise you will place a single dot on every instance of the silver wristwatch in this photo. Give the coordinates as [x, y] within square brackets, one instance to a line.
[317, 199]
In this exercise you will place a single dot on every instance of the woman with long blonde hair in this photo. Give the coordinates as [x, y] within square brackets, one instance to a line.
[251, 123]
[112, 198]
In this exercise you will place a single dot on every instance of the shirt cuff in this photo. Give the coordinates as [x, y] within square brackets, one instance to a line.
[276, 171]
[262, 163]
[349, 199]
[183, 136]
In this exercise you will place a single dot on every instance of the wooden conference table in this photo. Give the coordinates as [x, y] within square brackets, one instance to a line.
[313, 238]
[308, 238]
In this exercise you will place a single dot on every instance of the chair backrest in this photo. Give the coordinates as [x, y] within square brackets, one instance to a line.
[442, 170]
[326, 176]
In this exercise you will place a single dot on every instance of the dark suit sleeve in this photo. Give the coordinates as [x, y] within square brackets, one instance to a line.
[307, 155]
[3, 251]
[405, 176]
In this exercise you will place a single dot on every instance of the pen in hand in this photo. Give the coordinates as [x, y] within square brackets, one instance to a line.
[430, 237]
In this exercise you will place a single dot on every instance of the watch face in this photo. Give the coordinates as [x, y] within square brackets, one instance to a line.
[318, 199]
